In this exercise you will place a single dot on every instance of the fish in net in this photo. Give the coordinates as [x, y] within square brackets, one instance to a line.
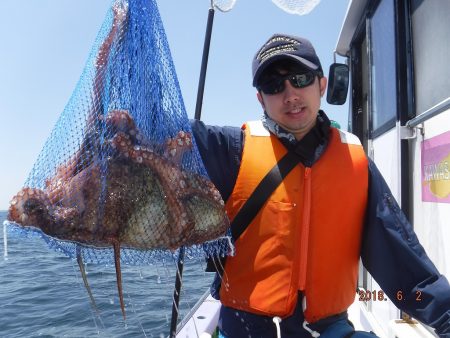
[120, 179]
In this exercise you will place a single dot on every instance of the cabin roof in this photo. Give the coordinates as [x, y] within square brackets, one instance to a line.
[352, 19]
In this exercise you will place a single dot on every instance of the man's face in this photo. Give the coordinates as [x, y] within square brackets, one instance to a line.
[294, 109]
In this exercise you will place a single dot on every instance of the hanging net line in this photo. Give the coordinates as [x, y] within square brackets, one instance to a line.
[120, 179]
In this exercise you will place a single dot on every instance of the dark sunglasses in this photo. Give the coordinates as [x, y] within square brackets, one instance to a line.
[276, 85]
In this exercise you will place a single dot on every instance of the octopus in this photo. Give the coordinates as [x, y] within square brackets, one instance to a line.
[137, 197]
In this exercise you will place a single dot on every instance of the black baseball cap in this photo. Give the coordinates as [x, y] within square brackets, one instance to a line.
[290, 47]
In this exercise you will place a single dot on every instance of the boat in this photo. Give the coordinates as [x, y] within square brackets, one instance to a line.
[201, 321]
[399, 107]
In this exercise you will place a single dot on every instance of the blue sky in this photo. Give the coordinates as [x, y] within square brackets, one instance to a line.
[45, 44]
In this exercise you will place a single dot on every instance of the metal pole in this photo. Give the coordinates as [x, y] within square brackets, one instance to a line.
[176, 294]
[198, 111]
[201, 82]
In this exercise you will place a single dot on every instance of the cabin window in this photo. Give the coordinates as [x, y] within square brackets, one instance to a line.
[431, 52]
[383, 69]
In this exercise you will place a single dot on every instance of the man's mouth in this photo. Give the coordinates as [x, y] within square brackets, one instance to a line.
[296, 110]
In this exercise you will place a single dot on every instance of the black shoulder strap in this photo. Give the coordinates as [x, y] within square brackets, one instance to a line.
[262, 192]
[255, 202]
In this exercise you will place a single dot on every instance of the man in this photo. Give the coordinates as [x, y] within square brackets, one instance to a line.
[296, 263]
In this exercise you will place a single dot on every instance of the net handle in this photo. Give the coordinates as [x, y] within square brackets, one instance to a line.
[198, 109]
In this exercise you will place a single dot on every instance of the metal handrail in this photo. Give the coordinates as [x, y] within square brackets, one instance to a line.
[192, 311]
[428, 114]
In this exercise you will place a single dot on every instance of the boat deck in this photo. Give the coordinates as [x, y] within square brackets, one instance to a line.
[201, 322]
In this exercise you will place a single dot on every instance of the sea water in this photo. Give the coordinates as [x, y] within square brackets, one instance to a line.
[42, 294]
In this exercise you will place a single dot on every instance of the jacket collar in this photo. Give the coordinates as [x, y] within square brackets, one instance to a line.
[311, 146]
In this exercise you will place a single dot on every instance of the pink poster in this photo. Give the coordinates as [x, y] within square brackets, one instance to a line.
[436, 169]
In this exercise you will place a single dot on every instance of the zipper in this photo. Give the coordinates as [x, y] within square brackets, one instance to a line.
[304, 232]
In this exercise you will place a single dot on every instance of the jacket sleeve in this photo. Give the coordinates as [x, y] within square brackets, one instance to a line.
[391, 252]
[221, 150]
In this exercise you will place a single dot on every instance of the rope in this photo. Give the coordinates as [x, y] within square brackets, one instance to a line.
[313, 333]
[277, 320]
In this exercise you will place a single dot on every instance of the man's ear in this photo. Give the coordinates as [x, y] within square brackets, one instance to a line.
[260, 99]
[323, 85]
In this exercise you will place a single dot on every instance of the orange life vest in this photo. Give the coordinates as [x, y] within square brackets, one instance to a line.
[306, 237]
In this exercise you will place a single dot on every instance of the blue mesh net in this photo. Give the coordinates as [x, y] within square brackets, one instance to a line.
[121, 165]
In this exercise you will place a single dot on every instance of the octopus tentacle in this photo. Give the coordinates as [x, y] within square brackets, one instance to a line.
[177, 146]
[120, 120]
[202, 188]
[116, 247]
[30, 207]
[85, 280]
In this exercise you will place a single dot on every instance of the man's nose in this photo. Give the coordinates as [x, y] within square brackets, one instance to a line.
[290, 92]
